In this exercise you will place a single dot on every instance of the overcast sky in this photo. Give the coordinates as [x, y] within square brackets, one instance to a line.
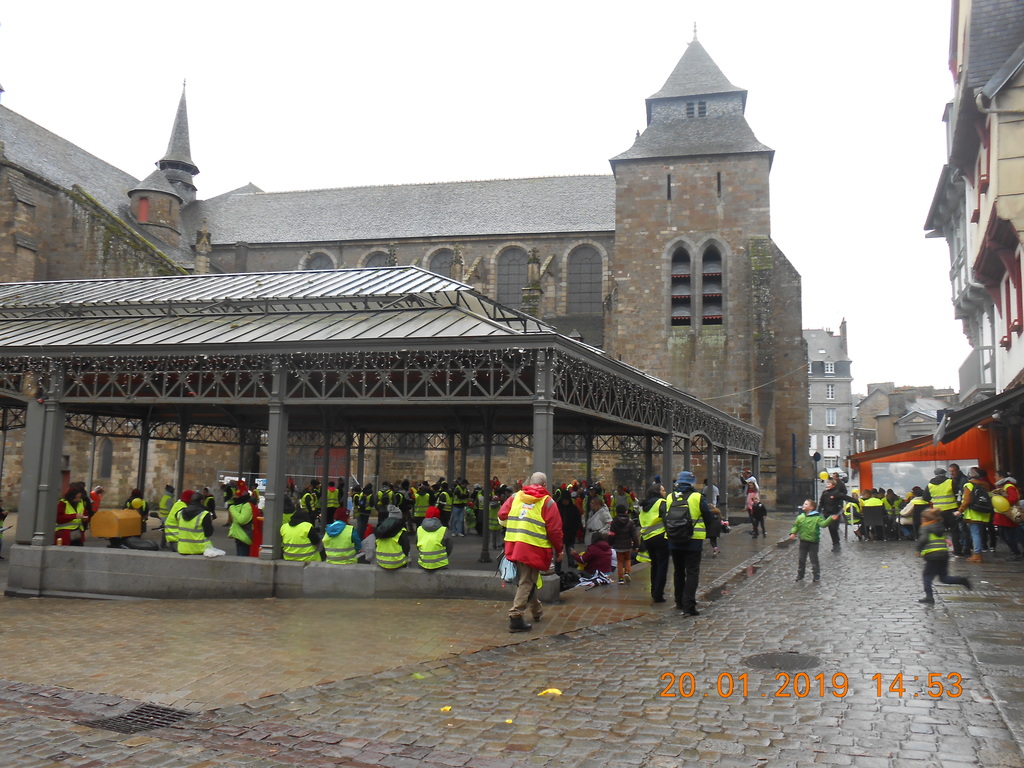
[336, 94]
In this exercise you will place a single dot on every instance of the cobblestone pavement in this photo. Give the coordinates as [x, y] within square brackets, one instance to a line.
[399, 683]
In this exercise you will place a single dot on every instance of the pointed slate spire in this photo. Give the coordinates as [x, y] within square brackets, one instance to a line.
[177, 162]
[696, 74]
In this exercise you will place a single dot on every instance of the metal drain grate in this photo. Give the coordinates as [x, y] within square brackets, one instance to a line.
[787, 662]
[144, 718]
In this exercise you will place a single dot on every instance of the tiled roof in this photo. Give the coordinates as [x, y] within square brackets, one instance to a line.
[729, 134]
[504, 206]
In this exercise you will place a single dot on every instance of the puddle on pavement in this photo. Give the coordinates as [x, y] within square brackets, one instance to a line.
[737, 581]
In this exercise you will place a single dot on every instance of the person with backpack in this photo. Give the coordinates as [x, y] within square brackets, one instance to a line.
[976, 509]
[687, 519]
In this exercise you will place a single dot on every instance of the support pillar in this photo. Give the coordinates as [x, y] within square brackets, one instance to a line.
[140, 473]
[41, 480]
[179, 470]
[668, 444]
[648, 463]
[544, 419]
[484, 515]
[449, 469]
[277, 460]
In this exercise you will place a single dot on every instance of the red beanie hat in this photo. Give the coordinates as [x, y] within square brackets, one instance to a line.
[242, 488]
[186, 496]
[433, 512]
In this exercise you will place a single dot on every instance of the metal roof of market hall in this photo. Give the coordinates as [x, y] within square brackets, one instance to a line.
[253, 309]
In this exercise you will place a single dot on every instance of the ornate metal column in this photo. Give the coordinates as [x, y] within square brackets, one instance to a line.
[668, 445]
[483, 515]
[277, 459]
[41, 480]
[543, 419]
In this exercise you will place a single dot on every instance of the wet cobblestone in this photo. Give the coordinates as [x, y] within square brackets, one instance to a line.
[360, 695]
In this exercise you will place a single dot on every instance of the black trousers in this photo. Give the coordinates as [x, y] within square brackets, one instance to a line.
[939, 568]
[658, 550]
[685, 576]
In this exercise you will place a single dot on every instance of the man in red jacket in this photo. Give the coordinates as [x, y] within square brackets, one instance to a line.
[533, 529]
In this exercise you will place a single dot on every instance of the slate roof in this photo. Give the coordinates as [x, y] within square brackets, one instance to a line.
[696, 74]
[178, 147]
[57, 160]
[997, 28]
[33, 147]
[729, 134]
[453, 209]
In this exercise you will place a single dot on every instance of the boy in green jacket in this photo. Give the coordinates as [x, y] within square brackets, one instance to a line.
[807, 526]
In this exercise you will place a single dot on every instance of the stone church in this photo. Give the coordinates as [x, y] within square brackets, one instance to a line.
[667, 263]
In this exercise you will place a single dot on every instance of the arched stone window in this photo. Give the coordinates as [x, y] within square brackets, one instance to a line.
[376, 259]
[441, 262]
[319, 260]
[106, 458]
[585, 281]
[512, 275]
[682, 287]
[712, 304]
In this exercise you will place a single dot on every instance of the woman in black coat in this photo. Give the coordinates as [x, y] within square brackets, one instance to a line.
[831, 503]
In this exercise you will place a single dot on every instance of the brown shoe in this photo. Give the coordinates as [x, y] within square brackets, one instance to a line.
[975, 558]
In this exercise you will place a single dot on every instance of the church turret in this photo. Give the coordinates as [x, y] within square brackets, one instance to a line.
[157, 200]
[176, 163]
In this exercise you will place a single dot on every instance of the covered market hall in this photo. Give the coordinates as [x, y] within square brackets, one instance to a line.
[315, 357]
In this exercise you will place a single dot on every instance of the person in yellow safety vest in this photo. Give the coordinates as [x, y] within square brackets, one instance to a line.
[910, 514]
[443, 501]
[299, 538]
[533, 536]
[71, 515]
[433, 544]
[172, 520]
[392, 550]
[460, 498]
[873, 510]
[194, 526]
[652, 534]
[686, 555]
[164, 505]
[931, 546]
[494, 527]
[424, 499]
[310, 500]
[941, 494]
[341, 543]
[978, 519]
[241, 510]
[333, 499]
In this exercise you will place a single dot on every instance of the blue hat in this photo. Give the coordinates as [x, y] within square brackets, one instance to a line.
[686, 478]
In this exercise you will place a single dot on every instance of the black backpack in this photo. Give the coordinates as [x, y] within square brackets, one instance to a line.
[980, 500]
[678, 523]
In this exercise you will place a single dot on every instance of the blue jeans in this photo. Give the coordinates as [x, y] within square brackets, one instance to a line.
[458, 520]
[977, 534]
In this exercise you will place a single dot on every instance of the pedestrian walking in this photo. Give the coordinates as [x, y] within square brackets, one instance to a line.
[533, 531]
[758, 513]
[807, 527]
[625, 540]
[931, 545]
[652, 535]
[686, 542]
